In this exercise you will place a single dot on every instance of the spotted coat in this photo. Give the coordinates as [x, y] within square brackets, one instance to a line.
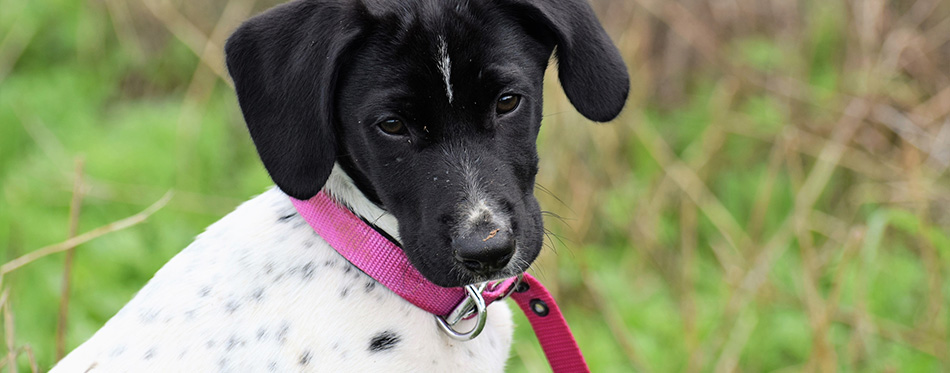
[259, 291]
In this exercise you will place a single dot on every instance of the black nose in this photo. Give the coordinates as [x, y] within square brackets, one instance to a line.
[485, 250]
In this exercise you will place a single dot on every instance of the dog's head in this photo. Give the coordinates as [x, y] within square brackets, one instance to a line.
[432, 107]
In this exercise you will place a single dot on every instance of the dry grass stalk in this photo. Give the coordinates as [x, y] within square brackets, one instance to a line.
[687, 304]
[57, 153]
[8, 331]
[34, 366]
[85, 237]
[44, 138]
[202, 84]
[121, 19]
[614, 320]
[822, 358]
[190, 35]
[135, 194]
[930, 316]
[75, 206]
[937, 106]
[687, 179]
[811, 145]
[13, 44]
[763, 194]
[30, 355]
[735, 343]
[807, 195]
[867, 326]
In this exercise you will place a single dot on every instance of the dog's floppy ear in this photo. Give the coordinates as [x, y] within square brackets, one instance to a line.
[284, 66]
[589, 65]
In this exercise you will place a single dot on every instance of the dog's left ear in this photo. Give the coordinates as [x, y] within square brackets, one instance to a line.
[590, 68]
[284, 64]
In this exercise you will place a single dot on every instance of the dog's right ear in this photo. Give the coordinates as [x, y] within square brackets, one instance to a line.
[284, 64]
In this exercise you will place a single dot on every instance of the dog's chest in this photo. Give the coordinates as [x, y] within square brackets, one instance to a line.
[259, 291]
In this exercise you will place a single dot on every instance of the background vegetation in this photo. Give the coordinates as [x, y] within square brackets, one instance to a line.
[775, 198]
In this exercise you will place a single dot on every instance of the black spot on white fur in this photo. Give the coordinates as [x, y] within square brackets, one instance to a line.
[383, 341]
[117, 351]
[147, 316]
[233, 343]
[258, 294]
[231, 306]
[307, 271]
[305, 358]
[282, 333]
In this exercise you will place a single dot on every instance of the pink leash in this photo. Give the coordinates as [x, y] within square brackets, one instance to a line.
[382, 260]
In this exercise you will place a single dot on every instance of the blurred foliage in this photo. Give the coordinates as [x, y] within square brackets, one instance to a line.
[775, 197]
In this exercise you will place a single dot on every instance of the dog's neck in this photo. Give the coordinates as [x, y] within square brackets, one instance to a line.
[346, 164]
[342, 188]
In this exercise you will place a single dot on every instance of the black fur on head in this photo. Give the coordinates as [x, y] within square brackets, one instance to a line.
[432, 107]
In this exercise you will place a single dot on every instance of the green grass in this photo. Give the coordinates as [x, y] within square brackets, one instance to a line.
[752, 210]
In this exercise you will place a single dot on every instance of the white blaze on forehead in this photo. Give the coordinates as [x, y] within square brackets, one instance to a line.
[445, 66]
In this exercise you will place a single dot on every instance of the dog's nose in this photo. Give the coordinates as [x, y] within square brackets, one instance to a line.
[484, 250]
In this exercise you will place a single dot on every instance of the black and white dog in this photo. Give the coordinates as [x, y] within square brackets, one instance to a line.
[421, 117]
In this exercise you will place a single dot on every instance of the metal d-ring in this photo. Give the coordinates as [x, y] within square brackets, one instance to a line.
[474, 303]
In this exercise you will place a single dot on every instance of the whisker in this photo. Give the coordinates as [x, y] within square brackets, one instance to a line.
[560, 239]
[548, 242]
[550, 193]
[554, 215]
[537, 270]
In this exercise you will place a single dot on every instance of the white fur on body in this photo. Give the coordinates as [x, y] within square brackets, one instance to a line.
[260, 291]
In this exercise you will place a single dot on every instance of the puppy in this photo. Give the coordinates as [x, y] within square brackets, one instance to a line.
[420, 116]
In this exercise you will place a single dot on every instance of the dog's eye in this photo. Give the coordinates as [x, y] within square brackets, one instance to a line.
[507, 103]
[392, 127]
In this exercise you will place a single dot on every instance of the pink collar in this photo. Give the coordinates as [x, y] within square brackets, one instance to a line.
[382, 260]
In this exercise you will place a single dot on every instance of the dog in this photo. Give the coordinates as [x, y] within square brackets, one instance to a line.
[421, 117]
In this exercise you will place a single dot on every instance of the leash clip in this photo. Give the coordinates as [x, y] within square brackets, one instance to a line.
[474, 303]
